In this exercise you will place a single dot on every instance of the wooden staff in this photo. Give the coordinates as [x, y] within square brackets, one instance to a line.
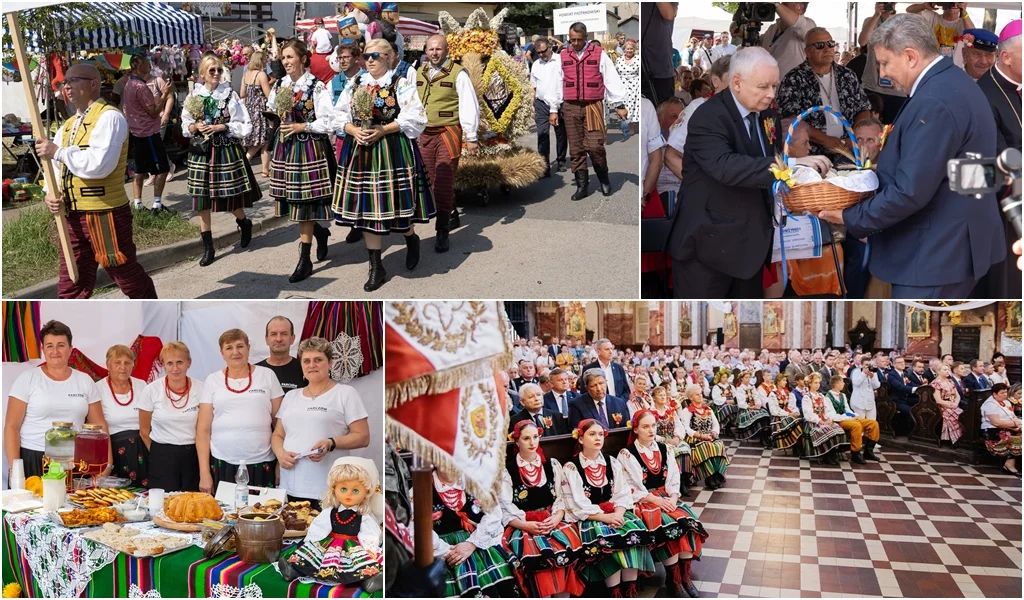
[40, 132]
[423, 532]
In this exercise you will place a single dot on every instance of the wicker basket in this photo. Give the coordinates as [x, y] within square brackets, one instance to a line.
[821, 195]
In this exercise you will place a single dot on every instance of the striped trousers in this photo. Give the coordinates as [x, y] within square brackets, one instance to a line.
[130, 277]
[585, 140]
[441, 148]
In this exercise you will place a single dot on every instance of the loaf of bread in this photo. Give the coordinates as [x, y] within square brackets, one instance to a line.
[192, 507]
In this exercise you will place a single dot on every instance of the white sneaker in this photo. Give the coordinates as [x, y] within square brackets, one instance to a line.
[137, 205]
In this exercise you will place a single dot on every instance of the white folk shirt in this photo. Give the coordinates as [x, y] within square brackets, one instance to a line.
[509, 510]
[242, 422]
[50, 401]
[170, 425]
[635, 471]
[653, 140]
[469, 109]
[98, 160]
[488, 531]
[614, 90]
[546, 78]
[321, 39]
[577, 505]
[306, 421]
[121, 418]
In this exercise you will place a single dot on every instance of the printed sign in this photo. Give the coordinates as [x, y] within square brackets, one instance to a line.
[594, 16]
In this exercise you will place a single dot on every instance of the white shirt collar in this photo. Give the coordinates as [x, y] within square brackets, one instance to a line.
[645, 450]
[443, 487]
[301, 81]
[524, 463]
[605, 400]
[1007, 77]
[221, 92]
[587, 462]
[385, 79]
[923, 73]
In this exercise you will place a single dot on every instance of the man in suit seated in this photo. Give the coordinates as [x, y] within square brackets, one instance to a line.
[722, 232]
[513, 396]
[924, 238]
[933, 369]
[527, 374]
[976, 379]
[916, 374]
[901, 392]
[614, 374]
[532, 398]
[610, 411]
[558, 399]
[959, 371]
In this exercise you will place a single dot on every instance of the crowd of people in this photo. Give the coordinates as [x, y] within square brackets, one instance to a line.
[283, 418]
[709, 179]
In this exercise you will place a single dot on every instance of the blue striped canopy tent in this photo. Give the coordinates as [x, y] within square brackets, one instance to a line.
[125, 25]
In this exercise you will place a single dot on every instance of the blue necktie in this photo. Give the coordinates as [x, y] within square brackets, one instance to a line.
[600, 414]
[565, 407]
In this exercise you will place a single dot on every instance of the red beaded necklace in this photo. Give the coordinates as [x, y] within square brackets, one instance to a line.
[131, 392]
[531, 475]
[184, 395]
[452, 498]
[337, 518]
[247, 385]
[596, 474]
[654, 463]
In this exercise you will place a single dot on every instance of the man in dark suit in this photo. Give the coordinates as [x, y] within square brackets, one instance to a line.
[617, 382]
[532, 399]
[924, 238]
[558, 399]
[933, 369]
[527, 374]
[1001, 84]
[976, 379]
[916, 374]
[721, 236]
[610, 411]
[828, 370]
[901, 392]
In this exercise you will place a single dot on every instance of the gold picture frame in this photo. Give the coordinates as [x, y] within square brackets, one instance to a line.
[730, 327]
[919, 323]
[685, 328]
[773, 323]
[1013, 320]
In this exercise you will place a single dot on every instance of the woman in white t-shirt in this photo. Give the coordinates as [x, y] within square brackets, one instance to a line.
[40, 396]
[118, 393]
[325, 416]
[1000, 428]
[168, 410]
[236, 418]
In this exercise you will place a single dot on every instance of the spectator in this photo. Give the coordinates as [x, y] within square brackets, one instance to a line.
[978, 52]
[946, 28]
[1001, 428]
[143, 109]
[656, 20]
[977, 380]
[683, 79]
[784, 38]
[702, 56]
[628, 66]
[544, 78]
[723, 47]
[892, 96]
[948, 399]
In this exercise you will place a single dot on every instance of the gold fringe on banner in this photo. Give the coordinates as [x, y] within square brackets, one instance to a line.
[440, 382]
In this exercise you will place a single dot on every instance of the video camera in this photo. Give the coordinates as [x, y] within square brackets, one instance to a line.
[748, 17]
[974, 176]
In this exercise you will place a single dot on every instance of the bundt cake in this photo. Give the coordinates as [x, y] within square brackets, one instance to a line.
[192, 507]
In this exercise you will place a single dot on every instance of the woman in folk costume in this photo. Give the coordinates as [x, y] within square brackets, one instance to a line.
[823, 438]
[723, 397]
[469, 540]
[669, 425]
[753, 420]
[598, 497]
[343, 544]
[382, 183]
[220, 178]
[654, 476]
[787, 428]
[706, 451]
[640, 398]
[532, 512]
[302, 167]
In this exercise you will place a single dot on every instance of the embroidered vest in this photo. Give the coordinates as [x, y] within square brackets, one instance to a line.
[341, 525]
[581, 75]
[597, 495]
[702, 424]
[438, 95]
[837, 403]
[447, 520]
[652, 481]
[666, 425]
[304, 110]
[531, 498]
[105, 193]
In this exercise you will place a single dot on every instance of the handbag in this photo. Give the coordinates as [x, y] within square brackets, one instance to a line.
[199, 144]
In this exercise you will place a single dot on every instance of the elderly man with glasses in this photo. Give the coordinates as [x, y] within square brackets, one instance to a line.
[92, 151]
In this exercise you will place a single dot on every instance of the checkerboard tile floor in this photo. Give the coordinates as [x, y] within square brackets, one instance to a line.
[908, 526]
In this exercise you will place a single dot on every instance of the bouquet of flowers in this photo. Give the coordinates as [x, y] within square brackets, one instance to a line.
[196, 106]
[362, 107]
[284, 102]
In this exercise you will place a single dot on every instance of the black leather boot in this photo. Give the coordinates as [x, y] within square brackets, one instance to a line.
[856, 457]
[354, 235]
[453, 221]
[674, 580]
[441, 225]
[606, 184]
[684, 485]
[582, 185]
[208, 251]
[412, 251]
[688, 578]
[377, 273]
[321, 234]
[547, 171]
[305, 267]
[245, 225]
[869, 450]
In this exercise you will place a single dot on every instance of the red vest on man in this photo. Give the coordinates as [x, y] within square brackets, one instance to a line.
[581, 75]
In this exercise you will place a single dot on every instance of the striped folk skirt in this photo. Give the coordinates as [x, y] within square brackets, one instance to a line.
[488, 571]
[221, 180]
[750, 423]
[786, 432]
[547, 560]
[674, 532]
[302, 171]
[819, 440]
[707, 458]
[1001, 442]
[335, 561]
[382, 188]
[726, 414]
[607, 551]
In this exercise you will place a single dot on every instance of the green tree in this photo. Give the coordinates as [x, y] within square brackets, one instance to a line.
[729, 7]
[51, 30]
[533, 17]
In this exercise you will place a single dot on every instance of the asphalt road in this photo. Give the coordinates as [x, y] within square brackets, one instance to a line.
[534, 243]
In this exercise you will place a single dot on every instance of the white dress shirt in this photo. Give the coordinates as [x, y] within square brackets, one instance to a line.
[97, 161]
[609, 377]
[545, 76]
[469, 109]
[921, 76]
[614, 91]
[703, 57]
[321, 39]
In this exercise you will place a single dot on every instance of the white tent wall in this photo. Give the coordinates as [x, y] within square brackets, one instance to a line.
[97, 325]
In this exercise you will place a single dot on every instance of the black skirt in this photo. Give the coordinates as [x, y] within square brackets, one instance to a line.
[131, 458]
[173, 468]
[33, 460]
[263, 474]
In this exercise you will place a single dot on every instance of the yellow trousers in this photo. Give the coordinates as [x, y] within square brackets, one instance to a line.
[857, 428]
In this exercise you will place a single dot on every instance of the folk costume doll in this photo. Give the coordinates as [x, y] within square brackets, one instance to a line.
[343, 544]
[823, 438]
[787, 428]
[598, 497]
[470, 541]
[654, 477]
[753, 420]
[702, 430]
[723, 398]
[533, 512]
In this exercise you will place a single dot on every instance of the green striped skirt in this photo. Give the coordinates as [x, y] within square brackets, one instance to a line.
[221, 179]
[786, 432]
[548, 560]
[607, 551]
[674, 532]
[750, 423]
[485, 568]
[818, 440]
[302, 173]
[707, 458]
[726, 414]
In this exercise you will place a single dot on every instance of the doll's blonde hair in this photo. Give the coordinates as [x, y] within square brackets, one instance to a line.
[347, 472]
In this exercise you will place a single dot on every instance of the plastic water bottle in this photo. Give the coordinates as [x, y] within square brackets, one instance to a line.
[241, 486]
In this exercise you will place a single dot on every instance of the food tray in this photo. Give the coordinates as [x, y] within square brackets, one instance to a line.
[56, 517]
[79, 504]
[163, 521]
[144, 531]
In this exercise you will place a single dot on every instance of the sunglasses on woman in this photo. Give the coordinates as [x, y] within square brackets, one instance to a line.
[821, 45]
[373, 55]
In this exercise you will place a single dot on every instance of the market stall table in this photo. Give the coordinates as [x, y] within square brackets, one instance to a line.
[75, 566]
[18, 138]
